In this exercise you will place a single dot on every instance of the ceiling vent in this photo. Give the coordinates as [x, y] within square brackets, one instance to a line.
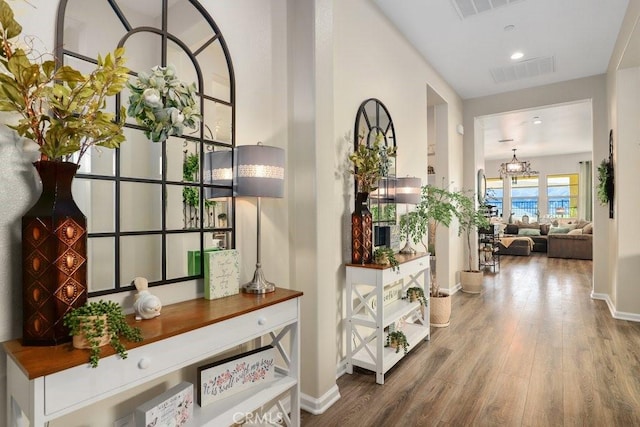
[467, 8]
[524, 69]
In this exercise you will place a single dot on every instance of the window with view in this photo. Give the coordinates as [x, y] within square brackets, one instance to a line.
[495, 194]
[562, 196]
[524, 198]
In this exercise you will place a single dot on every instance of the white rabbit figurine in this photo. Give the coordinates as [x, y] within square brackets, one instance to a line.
[145, 305]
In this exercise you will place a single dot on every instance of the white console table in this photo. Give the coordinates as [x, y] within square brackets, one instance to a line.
[45, 383]
[373, 304]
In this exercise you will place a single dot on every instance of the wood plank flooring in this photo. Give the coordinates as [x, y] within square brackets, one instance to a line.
[532, 350]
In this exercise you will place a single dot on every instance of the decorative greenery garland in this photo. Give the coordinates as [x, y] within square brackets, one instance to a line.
[163, 104]
[605, 182]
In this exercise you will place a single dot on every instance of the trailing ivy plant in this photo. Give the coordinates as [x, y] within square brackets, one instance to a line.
[400, 340]
[384, 255]
[99, 318]
[417, 293]
[605, 182]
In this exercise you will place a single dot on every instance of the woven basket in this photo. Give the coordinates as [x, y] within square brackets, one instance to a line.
[471, 281]
[80, 341]
[440, 311]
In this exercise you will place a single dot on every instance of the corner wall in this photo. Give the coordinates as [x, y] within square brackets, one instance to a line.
[623, 92]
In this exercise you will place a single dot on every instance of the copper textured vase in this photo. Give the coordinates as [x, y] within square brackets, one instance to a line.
[54, 257]
[361, 231]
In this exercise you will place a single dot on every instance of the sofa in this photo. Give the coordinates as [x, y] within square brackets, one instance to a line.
[571, 246]
[572, 240]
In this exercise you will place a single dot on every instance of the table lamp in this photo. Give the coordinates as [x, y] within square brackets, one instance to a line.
[408, 191]
[259, 173]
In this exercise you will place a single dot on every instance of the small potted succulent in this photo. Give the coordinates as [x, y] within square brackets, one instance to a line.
[385, 256]
[99, 323]
[397, 339]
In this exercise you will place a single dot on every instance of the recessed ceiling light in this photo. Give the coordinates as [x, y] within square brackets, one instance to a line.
[509, 27]
[537, 120]
[517, 55]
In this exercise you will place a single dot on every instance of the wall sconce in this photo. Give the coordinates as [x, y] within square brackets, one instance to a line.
[259, 173]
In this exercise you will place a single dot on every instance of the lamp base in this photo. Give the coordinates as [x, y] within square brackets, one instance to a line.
[408, 250]
[258, 285]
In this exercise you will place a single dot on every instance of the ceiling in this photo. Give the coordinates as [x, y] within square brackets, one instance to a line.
[469, 42]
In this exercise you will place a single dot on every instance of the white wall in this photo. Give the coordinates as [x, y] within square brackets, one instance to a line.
[341, 54]
[623, 92]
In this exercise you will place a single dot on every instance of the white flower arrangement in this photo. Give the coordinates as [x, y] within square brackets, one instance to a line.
[162, 104]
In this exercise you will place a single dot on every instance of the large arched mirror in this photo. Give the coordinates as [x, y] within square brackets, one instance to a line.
[153, 208]
[374, 121]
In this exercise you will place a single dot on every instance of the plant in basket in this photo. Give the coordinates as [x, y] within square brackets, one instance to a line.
[99, 323]
[397, 339]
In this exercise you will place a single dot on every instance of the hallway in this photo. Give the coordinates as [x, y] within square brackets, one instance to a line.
[532, 350]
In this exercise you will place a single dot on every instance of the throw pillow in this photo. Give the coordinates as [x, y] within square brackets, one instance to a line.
[588, 229]
[581, 223]
[529, 232]
[530, 225]
[575, 231]
[559, 230]
[511, 229]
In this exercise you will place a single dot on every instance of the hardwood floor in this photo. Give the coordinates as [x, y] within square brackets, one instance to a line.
[532, 350]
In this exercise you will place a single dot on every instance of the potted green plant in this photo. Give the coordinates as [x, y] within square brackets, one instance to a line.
[99, 323]
[386, 256]
[65, 113]
[416, 293]
[470, 219]
[436, 208]
[397, 339]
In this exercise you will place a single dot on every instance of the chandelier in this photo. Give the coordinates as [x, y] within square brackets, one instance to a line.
[516, 168]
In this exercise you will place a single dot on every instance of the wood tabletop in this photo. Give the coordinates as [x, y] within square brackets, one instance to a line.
[176, 319]
[402, 258]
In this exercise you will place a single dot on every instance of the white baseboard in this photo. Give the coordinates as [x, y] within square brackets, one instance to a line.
[318, 406]
[620, 315]
[451, 291]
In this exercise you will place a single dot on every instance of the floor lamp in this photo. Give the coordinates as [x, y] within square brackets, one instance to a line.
[259, 173]
[408, 191]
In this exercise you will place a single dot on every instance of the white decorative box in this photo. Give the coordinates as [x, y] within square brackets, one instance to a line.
[172, 408]
[227, 377]
[221, 274]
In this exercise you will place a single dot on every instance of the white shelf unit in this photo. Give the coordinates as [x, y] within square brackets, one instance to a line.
[184, 335]
[367, 319]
